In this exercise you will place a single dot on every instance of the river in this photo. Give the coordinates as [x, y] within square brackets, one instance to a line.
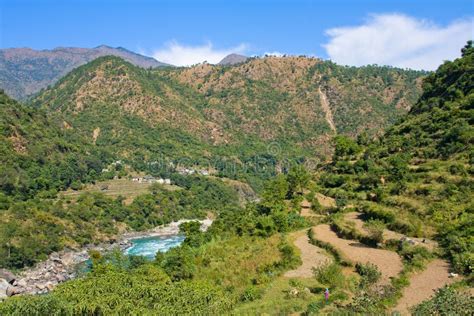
[149, 246]
[63, 265]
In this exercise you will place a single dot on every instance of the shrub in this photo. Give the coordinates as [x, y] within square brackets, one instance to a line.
[375, 228]
[369, 273]
[415, 256]
[289, 258]
[330, 275]
[251, 293]
[314, 307]
[316, 206]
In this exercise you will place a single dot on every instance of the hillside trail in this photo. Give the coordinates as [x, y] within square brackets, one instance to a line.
[311, 255]
[388, 262]
[423, 285]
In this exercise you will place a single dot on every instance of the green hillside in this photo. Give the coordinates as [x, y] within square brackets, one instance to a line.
[242, 121]
[418, 178]
[38, 154]
[25, 71]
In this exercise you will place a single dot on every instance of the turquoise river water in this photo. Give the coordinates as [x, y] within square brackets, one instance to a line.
[149, 246]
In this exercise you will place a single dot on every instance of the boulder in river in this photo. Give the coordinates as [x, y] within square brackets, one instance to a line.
[12, 290]
[21, 283]
[7, 275]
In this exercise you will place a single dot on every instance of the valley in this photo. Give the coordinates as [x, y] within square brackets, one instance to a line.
[323, 189]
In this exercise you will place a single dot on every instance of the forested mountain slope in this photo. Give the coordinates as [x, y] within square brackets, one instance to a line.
[39, 153]
[296, 101]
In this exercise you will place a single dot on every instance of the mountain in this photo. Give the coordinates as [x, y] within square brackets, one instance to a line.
[418, 177]
[233, 59]
[295, 103]
[24, 71]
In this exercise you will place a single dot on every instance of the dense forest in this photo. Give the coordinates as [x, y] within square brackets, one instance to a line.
[415, 180]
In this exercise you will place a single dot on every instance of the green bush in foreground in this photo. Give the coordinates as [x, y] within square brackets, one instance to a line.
[143, 291]
[447, 301]
[369, 273]
[330, 275]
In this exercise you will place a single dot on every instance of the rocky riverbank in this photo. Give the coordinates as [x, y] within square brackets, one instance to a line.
[62, 266]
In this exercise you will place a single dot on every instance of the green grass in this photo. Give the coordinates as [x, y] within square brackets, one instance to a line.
[284, 296]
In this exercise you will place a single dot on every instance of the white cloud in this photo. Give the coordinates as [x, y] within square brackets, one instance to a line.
[275, 54]
[398, 40]
[181, 55]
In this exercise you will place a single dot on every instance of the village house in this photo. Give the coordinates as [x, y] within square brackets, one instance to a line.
[151, 179]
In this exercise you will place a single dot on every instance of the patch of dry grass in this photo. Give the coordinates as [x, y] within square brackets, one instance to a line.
[118, 187]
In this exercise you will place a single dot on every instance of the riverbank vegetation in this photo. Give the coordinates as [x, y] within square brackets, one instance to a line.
[30, 230]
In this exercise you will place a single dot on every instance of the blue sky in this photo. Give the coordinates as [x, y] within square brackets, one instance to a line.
[185, 32]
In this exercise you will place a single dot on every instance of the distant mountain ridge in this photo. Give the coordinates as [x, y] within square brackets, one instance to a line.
[25, 71]
[233, 59]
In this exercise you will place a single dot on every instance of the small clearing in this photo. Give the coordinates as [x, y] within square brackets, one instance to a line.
[95, 134]
[117, 187]
[423, 284]
[311, 256]
[306, 210]
[388, 262]
[354, 217]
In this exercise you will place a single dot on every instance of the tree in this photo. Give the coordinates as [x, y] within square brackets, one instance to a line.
[468, 49]
[344, 146]
[274, 195]
[178, 263]
[298, 178]
[192, 231]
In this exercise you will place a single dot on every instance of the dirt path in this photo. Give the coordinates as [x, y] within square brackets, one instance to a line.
[311, 256]
[325, 201]
[326, 109]
[306, 209]
[423, 285]
[388, 262]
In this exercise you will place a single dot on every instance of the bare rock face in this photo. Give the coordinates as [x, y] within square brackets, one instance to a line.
[21, 283]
